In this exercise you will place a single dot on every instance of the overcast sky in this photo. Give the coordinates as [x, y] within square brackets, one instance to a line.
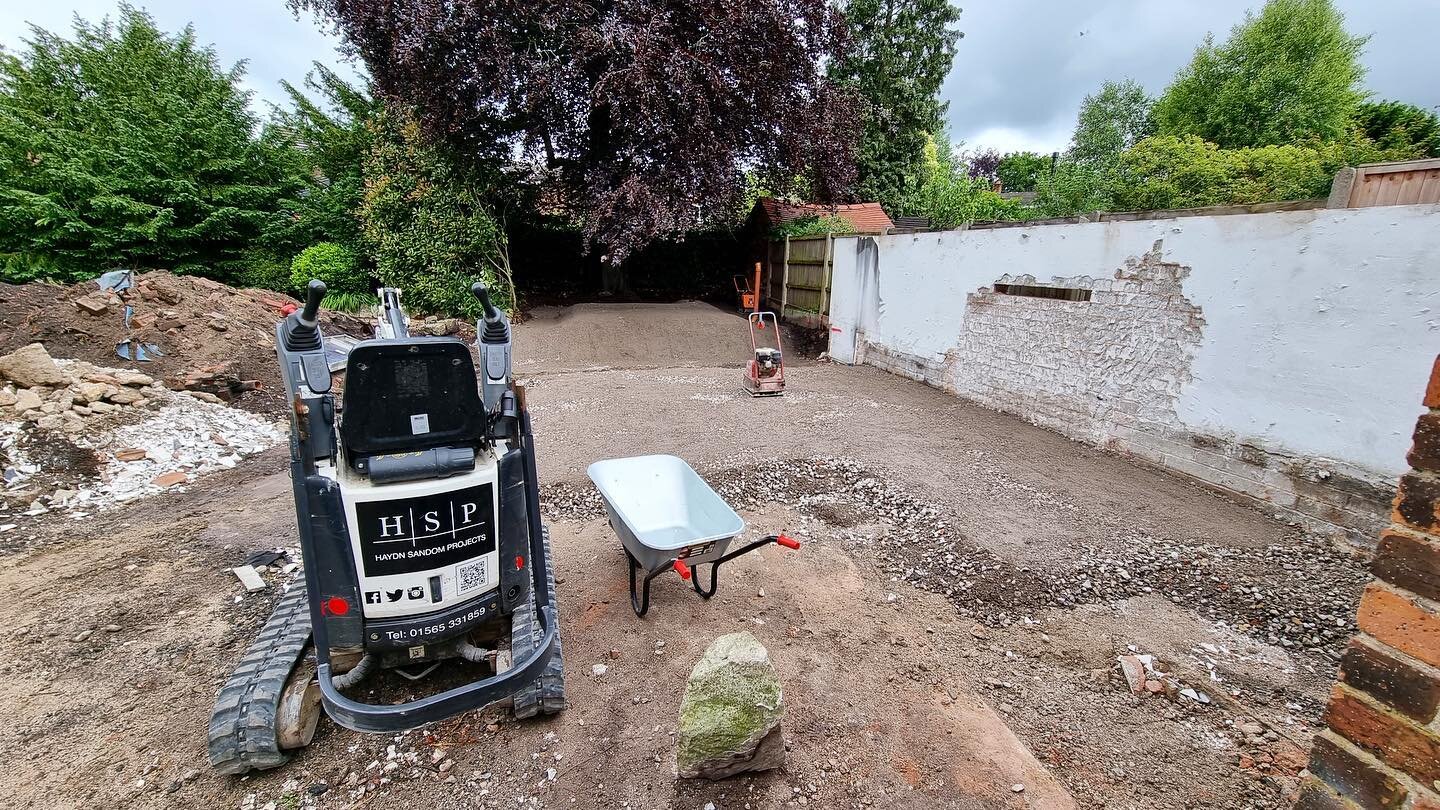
[1019, 76]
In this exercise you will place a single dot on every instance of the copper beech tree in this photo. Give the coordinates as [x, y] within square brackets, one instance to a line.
[642, 116]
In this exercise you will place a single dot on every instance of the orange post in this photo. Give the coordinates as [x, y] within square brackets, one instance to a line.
[757, 287]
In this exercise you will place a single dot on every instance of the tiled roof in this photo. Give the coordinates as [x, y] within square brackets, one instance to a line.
[863, 217]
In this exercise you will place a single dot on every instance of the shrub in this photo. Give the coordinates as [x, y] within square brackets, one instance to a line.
[814, 225]
[1073, 189]
[264, 272]
[350, 301]
[336, 265]
[425, 223]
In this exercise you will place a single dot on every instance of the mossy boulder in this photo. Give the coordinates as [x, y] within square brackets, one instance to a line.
[730, 716]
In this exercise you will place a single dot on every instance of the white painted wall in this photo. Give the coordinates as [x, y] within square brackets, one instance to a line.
[1320, 326]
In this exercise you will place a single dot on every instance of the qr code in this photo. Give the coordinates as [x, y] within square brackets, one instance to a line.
[472, 576]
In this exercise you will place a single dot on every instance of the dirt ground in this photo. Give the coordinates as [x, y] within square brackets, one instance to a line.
[947, 636]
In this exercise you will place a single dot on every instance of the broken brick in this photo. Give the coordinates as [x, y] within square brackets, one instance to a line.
[1134, 672]
[130, 454]
[1432, 390]
[1425, 449]
[170, 479]
[92, 304]
[1417, 503]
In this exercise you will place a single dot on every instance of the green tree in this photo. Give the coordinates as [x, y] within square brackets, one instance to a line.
[128, 146]
[1289, 74]
[1073, 189]
[424, 222]
[943, 192]
[326, 139]
[1022, 171]
[1397, 125]
[899, 54]
[1110, 121]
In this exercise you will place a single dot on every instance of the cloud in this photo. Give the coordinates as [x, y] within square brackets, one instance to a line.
[1024, 66]
[262, 33]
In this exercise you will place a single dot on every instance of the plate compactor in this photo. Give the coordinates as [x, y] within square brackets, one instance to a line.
[419, 520]
[765, 371]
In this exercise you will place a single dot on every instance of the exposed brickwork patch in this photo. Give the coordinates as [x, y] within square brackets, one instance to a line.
[1390, 737]
[1353, 777]
[1390, 679]
[1120, 357]
[1401, 622]
[1409, 561]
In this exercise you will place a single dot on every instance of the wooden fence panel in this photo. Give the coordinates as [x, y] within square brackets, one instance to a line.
[797, 287]
[1408, 182]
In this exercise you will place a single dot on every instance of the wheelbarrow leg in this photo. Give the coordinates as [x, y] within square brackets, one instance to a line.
[640, 602]
[641, 605]
[714, 581]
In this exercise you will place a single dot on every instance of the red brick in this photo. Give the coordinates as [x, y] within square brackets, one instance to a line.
[1417, 503]
[1425, 450]
[1391, 738]
[1315, 796]
[1432, 390]
[1401, 622]
[1353, 777]
[1409, 561]
[1391, 680]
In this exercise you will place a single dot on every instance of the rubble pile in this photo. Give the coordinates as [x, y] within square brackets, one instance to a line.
[78, 437]
[219, 338]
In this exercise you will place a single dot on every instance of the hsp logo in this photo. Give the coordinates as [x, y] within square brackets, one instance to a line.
[411, 535]
[433, 522]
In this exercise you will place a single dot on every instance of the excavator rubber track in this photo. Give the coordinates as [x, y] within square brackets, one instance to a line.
[547, 695]
[243, 733]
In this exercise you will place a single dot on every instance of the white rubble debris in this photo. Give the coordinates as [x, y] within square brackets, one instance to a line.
[181, 437]
[249, 577]
[170, 440]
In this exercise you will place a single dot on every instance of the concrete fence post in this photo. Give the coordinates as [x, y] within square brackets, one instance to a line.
[1340, 188]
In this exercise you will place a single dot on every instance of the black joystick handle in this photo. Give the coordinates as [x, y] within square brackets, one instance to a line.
[314, 294]
[479, 291]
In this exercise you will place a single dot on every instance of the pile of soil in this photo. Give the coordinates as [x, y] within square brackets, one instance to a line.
[196, 322]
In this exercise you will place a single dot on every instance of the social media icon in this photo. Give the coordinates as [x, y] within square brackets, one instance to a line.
[372, 597]
[394, 596]
[416, 593]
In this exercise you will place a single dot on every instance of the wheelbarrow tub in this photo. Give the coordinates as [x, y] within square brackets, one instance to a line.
[663, 510]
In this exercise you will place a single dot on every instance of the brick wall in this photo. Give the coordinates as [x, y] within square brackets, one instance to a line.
[1381, 747]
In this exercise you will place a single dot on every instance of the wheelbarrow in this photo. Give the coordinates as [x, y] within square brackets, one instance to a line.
[669, 519]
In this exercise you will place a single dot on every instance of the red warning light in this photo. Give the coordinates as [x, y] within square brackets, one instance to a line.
[519, 563]
[337, 606]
